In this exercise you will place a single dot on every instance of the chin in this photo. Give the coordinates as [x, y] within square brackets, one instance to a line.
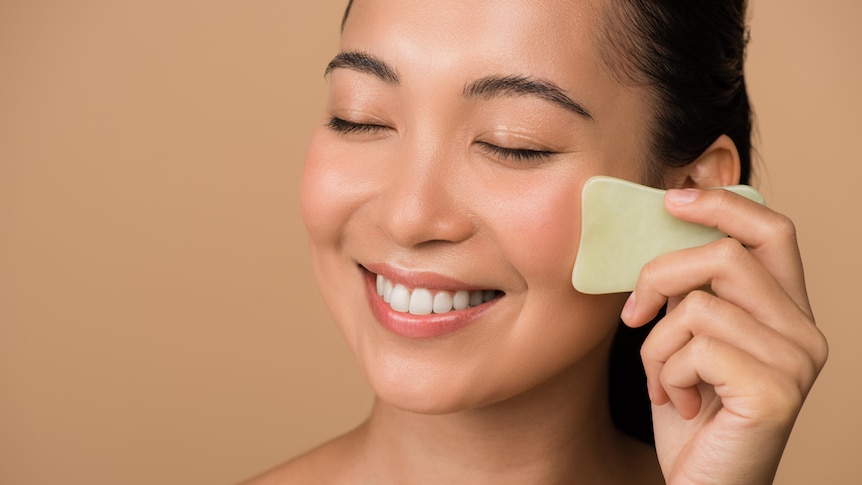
[434, 394]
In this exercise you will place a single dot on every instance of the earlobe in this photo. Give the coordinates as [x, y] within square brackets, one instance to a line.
[717, 166]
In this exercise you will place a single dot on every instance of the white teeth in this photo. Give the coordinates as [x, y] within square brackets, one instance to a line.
[442, 302]
[461, 300]
[387, 291]
[422, 301]
[400, 299]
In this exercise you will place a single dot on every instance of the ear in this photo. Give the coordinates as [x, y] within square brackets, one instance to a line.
[717, 166]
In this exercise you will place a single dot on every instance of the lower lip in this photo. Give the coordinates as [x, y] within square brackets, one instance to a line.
[420, 326]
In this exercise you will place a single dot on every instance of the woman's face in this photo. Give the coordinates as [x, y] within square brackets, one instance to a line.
[457, 139]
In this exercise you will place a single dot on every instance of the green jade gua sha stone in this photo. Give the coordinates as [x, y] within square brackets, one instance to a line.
[624, 225]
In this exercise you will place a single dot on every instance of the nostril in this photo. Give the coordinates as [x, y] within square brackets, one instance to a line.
[425, 222]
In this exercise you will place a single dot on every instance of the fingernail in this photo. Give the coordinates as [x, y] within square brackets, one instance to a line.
[681, 196]
[629, 308]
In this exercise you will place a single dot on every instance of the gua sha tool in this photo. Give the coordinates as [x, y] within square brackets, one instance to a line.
[624, 225]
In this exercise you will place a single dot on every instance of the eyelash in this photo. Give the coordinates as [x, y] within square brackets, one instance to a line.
[344, 127]
[339, 125]
[516, 154]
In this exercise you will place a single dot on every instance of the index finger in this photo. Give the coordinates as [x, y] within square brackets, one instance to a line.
[770, 236]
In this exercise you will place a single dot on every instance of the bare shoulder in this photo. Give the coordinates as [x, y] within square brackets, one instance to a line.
[334, 462]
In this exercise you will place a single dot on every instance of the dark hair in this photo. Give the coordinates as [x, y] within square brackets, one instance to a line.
[689, 54]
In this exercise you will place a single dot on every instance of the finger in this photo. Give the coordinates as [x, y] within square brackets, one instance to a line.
[724, 266]
[747, 387]
[701, 313]
[697, 313]
[770, 236]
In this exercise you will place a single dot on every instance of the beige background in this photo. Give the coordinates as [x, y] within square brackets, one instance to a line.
[158, 320]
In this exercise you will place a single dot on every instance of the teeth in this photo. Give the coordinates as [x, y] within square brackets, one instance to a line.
[387, 291]
[400, 299]
[442, 302]
[422, 301]
[461, 300]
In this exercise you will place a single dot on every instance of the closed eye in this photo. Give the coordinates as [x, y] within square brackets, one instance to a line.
[516, 154]
[342, 126]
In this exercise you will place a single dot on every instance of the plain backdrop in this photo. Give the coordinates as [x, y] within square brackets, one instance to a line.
[158, 320]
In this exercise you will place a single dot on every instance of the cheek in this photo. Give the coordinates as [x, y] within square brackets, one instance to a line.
[537, 219]
[328, 192]
[539, 229]
[331, 193]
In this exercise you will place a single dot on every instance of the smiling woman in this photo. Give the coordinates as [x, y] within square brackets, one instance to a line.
[157, 324]
[441, 195]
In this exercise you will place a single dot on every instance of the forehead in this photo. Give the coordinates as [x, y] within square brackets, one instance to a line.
[544, 38]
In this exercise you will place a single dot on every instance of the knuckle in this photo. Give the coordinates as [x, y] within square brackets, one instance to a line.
[648, 355]
[805, 369]
[780, 398]
[804, 362]
[652, 352]
[819, 349]
[649, 273]
[702, 344]
[648, 347]
[698, 302]
[697, 306]
[787, 399]
[784, 226]
[731, 251]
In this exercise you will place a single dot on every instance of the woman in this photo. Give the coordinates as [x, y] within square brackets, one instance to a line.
[441, 196]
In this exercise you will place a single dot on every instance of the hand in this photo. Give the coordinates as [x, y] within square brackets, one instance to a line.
[731, 363]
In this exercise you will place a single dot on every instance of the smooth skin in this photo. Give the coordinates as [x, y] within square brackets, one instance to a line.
[728, 369]
[410, 174]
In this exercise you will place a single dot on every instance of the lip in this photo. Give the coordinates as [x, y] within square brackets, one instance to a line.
[421, 279]
[420, 326]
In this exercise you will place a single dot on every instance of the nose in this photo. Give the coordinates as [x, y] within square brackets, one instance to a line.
[423, 201]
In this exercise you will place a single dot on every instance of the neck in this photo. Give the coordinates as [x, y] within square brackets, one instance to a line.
[556, 431]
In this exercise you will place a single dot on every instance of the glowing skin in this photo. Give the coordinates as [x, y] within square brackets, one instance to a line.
[441, 196]
[422, 197]
[411, 177]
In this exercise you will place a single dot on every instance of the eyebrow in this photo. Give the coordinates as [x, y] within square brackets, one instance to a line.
[508, 86]
[488, 87]
[362, 62]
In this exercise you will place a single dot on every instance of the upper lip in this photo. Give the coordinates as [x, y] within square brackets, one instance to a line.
[421, 279]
